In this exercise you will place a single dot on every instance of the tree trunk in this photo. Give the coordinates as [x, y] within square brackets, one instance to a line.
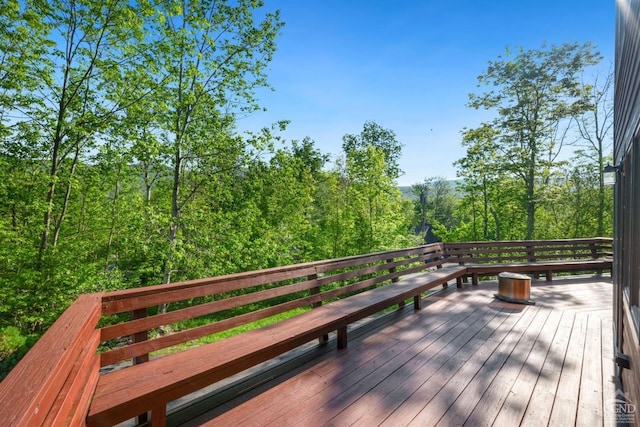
[173, 230]
[496, 219]
[531, 201]
[485, 219]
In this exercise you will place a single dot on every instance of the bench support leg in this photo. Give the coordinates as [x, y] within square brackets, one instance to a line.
[159, 416]
[342, 337]
[548, 276]
[474, 279]
[458, 282]
[417, 302]
[323, 339]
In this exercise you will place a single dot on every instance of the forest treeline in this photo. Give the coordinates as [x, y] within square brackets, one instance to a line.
[121, 164]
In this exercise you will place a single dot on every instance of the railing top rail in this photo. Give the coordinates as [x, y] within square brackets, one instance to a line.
[269, 274]
[605, 240]
[31, 388]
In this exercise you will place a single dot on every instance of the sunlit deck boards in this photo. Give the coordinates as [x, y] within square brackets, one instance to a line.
[466, 358]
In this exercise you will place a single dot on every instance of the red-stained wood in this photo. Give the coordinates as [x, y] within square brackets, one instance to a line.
[126, 393]
[498, 390]
[33, 387]
[513, 410]
[566, 400]
[342, 370]
[486, 363]
[413, 354]
[428, 366]
[590, 404]
[384, 271]
[491, 258]
[545, 391]
[65, 365]
[132, 299]
[548, 268]
[72, 403]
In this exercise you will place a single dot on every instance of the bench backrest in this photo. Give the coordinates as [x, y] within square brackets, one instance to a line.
[204, 307]
[525, 251]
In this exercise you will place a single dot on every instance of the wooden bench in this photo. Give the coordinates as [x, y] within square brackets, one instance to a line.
[531, 256]
[147, 387]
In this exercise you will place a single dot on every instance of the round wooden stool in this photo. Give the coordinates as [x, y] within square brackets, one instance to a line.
[514, 287]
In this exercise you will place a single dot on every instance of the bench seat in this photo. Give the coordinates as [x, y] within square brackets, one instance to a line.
[124, 394]
[546, 267]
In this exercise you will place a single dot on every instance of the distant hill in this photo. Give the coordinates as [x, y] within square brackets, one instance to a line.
[406, 190]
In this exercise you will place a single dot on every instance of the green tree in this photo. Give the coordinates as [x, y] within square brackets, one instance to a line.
[61, 53]
[94, 43]
[535, 93]
[23, 43]
[481, 181]
[435, 204]
[379, 218]
[594, 126]
[211, 55]
[384, 139]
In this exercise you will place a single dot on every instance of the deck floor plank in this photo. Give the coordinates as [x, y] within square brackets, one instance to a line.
[541, 403]
[395, 389]
[465, 358]
[498, 390]
[345, 394]
[463, 405]
[335, 372]
[515, 405]
[453, 376]
[590, 397]
[565, 404]
[609, 384]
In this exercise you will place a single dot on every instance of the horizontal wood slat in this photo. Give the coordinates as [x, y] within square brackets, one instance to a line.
[330, 280]
[492, 258]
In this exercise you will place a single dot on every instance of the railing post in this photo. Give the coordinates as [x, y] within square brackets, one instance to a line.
[140, 336]
[392, 270]
[142, 358]
[315, 291]
[531, 254]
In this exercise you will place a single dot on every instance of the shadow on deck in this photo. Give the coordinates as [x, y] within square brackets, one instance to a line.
[466, 358]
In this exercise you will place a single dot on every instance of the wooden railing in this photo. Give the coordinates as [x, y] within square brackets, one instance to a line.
[235, 300]
[525, 251]
[532, 256]
[55, 382]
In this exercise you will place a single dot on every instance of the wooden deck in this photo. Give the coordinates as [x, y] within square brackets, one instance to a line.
[465, 359]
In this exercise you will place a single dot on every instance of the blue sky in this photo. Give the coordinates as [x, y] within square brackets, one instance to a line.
[407, 65]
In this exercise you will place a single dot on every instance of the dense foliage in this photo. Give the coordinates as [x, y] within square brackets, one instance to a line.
[121, 164]
[519, 182]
